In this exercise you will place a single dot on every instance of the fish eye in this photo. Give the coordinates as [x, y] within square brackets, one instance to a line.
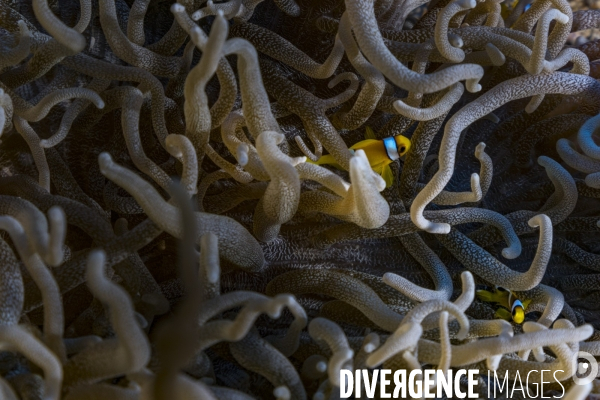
[402, 149]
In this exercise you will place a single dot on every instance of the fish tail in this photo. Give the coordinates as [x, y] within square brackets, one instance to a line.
[503, 313]
[369, 134]
[387, 175]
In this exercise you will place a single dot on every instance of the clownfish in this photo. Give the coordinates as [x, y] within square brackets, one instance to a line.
[506, 7]
[507, 300]
[380, 153]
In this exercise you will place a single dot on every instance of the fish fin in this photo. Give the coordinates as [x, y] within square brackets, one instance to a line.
[503, 313]
[378, 168]
[363, 143]
[487, 296]
[326, 159]
[526, 303]
[369, 134]
[387, 176]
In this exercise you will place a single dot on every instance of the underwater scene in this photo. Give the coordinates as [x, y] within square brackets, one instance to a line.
[299, 199]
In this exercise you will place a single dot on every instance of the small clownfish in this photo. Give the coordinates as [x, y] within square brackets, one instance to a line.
[507, 300]
[506, 7]
[380, 153]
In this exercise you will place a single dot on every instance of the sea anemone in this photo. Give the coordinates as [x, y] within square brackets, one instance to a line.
[172, 231]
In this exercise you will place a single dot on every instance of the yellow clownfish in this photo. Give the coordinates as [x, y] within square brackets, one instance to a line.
[507, 300]
[379, 152]
[506, 7]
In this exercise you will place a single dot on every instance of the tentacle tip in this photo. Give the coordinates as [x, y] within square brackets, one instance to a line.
[369, 348]
[372, 361]
[476, 187]
[539, 356]
[321, 366]
[177, 8]
[511, 253]
[79, 44]
[543, 161]
[348, 354]
[437, 228]
[105, 160]
[537, 220]
[298, 160]
[467, 279]
[401, 107]
[360, 159]
[242, 154]
[592, 181]
[97, 257]
[533, 223]
[279, 137]
[562, 18]
[387, 277]
[493, 363]
[295, 11]
[456, 41]
[23, 28]
[282, 393]
[474, 87]
[56, 213]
